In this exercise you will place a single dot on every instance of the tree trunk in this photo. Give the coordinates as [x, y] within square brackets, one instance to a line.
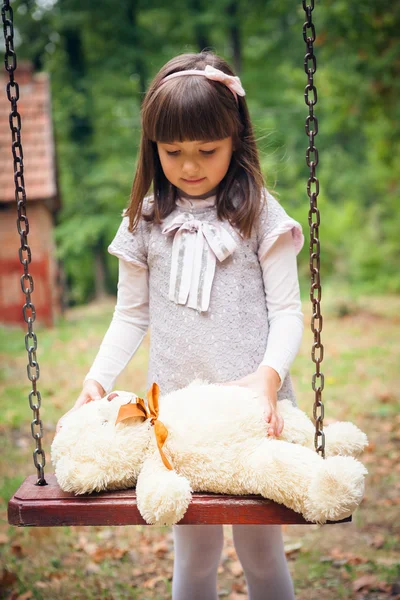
[100, 274]
[232, 11]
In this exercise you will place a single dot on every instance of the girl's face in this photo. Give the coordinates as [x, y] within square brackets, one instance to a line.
[195, 167]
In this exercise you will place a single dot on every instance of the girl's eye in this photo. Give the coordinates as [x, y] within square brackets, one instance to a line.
[176, 152]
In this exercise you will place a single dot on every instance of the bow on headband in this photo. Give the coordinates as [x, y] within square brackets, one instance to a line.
[127, 411]
[233, 83]
[195, 248]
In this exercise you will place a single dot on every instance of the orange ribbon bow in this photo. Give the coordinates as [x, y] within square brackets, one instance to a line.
[127, 411]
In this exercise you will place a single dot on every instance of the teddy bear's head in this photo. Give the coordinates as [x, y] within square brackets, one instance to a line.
[83, 459]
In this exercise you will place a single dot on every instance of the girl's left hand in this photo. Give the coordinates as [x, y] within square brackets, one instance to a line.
[265, 382]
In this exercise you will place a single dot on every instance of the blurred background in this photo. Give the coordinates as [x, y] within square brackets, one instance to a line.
[83, 69]
[96, 60]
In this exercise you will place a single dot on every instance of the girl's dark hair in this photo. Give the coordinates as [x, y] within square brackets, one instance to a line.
[194, 109]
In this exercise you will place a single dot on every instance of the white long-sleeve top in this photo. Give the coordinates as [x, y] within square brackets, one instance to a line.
[131, 315]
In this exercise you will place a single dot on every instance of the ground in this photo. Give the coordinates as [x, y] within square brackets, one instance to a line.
[358, 560]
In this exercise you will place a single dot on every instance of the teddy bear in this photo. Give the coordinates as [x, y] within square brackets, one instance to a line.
[209, 438]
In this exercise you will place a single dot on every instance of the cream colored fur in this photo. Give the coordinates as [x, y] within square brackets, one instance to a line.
[217, 442]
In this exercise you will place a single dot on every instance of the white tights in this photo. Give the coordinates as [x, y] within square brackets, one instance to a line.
[259, 548]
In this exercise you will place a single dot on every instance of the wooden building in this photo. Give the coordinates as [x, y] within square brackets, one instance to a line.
[43, 200]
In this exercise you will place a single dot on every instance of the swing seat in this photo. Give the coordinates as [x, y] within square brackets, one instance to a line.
[48, 506]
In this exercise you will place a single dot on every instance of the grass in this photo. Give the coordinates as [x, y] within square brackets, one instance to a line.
[361, 337]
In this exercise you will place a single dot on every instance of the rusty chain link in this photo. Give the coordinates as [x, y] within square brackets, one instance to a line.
[28, 309]
[317, 353]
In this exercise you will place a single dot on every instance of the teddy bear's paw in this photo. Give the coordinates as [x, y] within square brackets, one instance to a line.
[345, 439]
[164, 501]
[298, 429]
[336, 489]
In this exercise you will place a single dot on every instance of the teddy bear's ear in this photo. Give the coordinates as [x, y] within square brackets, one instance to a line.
[122, 396]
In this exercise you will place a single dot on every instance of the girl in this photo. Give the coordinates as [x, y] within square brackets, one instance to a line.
[209, 261]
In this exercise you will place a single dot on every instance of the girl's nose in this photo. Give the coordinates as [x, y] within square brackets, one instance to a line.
[189, 168]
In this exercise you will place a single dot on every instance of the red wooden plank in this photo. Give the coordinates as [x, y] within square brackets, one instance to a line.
[10, 290]
[49, 506]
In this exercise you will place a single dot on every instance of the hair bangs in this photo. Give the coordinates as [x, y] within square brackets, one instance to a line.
[189, 109]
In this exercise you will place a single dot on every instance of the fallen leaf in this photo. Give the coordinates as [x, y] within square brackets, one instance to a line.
[290, 548]
[378, 541]
[160, 549]
[57, 575]
[235, 568]
[106, 534]
[150, 584]
[92, 568]
[82, 541]
[24, 596]
[90, 548]
[71, 559]
[388, 502]
[388, 562]
[385, 426]
[112, 553]
[342, 558]
[7, 579]
[369, 582]
[238, 593]
[371, 447]
[41, 585]
[239, 586]
[386, 397]
[17, 550]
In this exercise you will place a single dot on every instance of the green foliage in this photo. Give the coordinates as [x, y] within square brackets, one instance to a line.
[8, 485]
[102, 56]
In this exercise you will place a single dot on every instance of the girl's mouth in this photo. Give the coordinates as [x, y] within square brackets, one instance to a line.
[193, 181]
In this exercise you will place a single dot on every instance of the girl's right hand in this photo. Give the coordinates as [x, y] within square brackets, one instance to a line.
[92, 390]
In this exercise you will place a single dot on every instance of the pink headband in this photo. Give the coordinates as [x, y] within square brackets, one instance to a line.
[233, 83]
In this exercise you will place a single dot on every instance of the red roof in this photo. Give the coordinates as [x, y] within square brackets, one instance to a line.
[34, 106]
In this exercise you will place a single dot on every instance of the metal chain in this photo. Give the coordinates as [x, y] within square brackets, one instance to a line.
[317, 353]
[28, 309]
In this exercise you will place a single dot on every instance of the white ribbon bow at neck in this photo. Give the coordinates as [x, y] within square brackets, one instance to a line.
[195, 248]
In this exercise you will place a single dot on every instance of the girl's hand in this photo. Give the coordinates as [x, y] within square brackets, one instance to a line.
[92, 390]
[265, 382]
